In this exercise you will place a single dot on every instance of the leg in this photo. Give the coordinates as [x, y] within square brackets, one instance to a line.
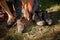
[5, 7]
[10, 5]
[17, 5]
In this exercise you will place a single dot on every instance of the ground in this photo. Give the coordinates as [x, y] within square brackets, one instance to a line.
[34, 32]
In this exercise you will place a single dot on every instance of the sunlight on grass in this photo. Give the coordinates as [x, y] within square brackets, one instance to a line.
[59, 21]
[53, 8]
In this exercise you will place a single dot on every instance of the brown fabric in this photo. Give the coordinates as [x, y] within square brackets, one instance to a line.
[29, 3]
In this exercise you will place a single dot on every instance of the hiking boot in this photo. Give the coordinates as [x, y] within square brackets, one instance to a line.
[20, 26]
[46, 17]
[10, 24]
[38, 19]
[40, 23]
[49, 21]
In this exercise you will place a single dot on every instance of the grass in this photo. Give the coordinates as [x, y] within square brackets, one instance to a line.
[35, 32]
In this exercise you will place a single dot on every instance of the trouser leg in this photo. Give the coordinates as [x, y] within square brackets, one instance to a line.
[18, 7]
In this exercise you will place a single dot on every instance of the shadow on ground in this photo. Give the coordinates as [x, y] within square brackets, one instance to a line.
[57, 36]
[55, 17]
[3, 31]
